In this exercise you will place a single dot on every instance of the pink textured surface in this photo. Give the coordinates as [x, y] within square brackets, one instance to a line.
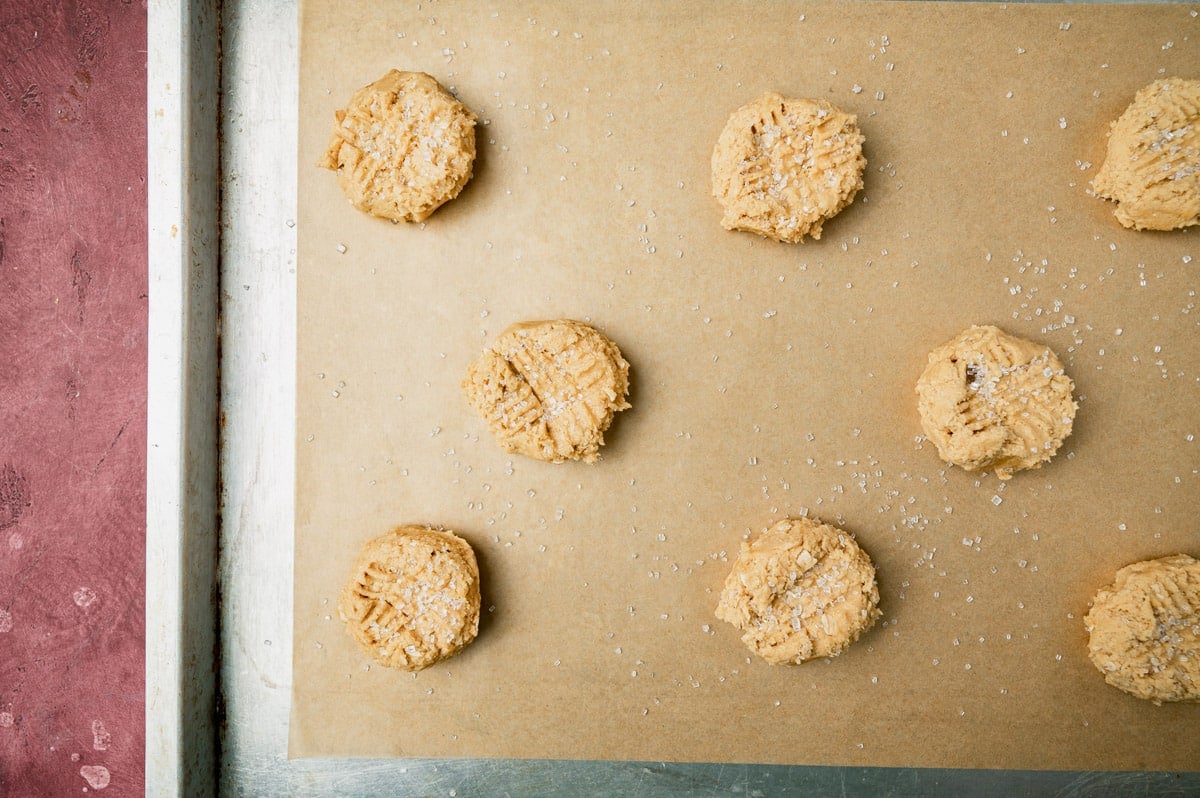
[73, 315]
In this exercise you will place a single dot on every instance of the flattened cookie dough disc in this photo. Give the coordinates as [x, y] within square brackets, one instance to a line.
[800, 591]
[549, 389]
[1152, 169]
[1145, 630]
[990, 400]
[783, 166]
[402, 147]
[413, 598]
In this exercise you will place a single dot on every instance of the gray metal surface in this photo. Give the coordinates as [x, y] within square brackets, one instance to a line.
[258, 246]
[181, 458]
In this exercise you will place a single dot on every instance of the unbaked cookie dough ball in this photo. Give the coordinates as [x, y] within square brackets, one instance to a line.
[990, 400]
[1145, 630]
[800, 591]
[413, 597]
[782, 166]
[549, 389]
[402, 147]
[1152, 169]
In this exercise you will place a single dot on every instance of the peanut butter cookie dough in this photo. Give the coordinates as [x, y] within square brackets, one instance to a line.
[1152, 169]
[413, 598]
[402, 147]
[799, 591]
[782, 166]
[1145, 630]
[549, 389]
[990, 400]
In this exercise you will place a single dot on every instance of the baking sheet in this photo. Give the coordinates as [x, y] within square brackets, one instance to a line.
[768, 380]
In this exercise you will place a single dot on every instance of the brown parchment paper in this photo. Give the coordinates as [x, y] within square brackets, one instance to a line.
[768, 380]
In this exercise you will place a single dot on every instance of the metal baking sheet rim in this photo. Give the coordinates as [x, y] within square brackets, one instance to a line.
[182, 106]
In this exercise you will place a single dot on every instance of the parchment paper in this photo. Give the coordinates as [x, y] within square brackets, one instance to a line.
[768, 380]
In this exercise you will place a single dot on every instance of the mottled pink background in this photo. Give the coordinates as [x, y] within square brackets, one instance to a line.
[73, 276]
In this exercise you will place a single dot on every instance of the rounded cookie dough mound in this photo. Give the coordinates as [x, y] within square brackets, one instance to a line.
[800, 591]
[402, 147]
[990, 400]
[1145, 630]
[549, 389]
[1152, 169]
[413, 598]
[783, 166]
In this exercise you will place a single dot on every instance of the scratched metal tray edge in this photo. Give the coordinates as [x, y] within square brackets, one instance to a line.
[257, 323]
[182, 101]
